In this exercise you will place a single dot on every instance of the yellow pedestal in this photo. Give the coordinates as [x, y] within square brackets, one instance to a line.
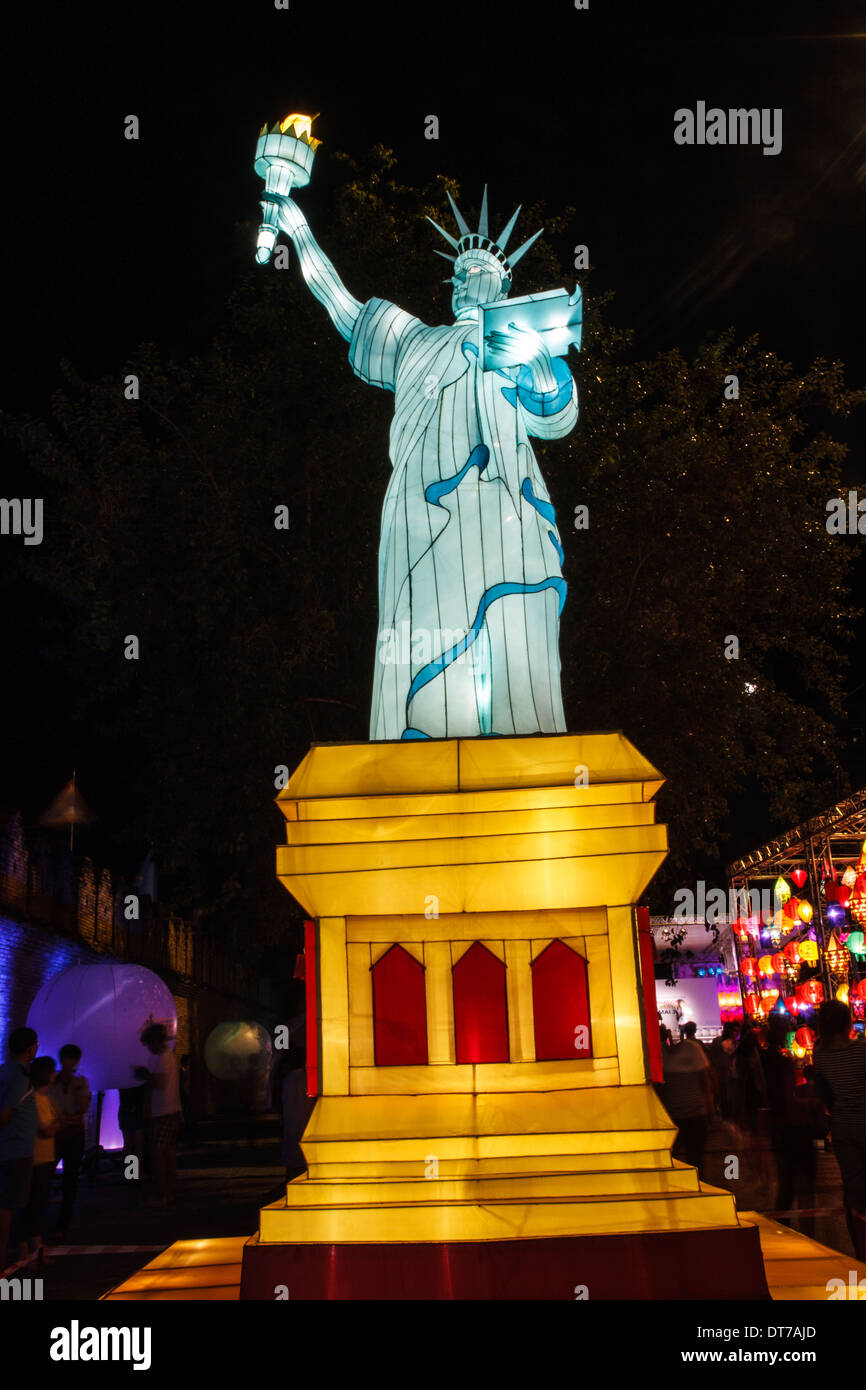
[513, 842]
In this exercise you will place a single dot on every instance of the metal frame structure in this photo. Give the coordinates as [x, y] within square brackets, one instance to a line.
[834, 836]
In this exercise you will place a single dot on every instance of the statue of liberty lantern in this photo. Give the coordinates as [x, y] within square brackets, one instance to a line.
[470, 561]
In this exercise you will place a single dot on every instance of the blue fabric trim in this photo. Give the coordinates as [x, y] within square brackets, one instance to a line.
[544, 508]
[413, 733]
[479, 458]
[440, 663]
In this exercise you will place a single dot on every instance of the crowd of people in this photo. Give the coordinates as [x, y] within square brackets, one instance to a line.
[747, 1079]
[44, 1106]
[43, 1112]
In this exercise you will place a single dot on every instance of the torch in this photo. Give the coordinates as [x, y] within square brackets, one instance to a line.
[284, 159]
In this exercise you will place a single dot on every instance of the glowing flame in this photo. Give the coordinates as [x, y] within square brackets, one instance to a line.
[302, 125]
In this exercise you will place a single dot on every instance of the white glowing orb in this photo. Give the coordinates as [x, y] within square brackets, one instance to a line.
[103, 1008]
[237, 1051]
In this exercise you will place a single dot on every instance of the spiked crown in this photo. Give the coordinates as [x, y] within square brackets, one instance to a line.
[481, 242]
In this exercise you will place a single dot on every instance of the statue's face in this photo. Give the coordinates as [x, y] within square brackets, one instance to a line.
[475, 282]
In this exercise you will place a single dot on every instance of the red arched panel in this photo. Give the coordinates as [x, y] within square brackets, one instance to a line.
[399, 1010]
[560, 1002]
[480, 1009]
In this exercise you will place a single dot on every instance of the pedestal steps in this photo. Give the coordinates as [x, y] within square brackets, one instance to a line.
[501, 1219]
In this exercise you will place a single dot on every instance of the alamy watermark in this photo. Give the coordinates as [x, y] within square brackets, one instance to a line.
[736, 126]
[22, 516]
[720, 908]
[405, 645]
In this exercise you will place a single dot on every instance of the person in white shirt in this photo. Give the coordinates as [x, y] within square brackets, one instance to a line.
[165, 1109]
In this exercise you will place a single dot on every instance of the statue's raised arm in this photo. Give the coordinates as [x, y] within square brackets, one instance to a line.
[317, 270]
[284, 159]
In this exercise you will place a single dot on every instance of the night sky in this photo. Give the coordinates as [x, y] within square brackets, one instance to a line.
[109, 243]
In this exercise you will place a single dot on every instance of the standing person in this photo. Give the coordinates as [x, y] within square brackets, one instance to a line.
[29, 1224]
[796, 1120]
[186, 1105]
[162, 1078]
[688, 1099]
[721, 1055]
[19, 1120]
[131, 1119]
[840, 1076]
[71, 1097]
[297, 1107]
[750, 1089]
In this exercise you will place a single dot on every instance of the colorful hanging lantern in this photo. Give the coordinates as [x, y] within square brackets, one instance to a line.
[811, 993]
[798, 1051]
[765, 965]
[849, 878]
[842, 994]
[804, 910]
[791, 952]
[781, 891]
[856, 943]
[791, 1003]
[859, 990]
[838, 956]
[836, 914]
[809, 952]
[778, 963]
[789, 911]
[857, 904]
[799, 877]
[749, 966]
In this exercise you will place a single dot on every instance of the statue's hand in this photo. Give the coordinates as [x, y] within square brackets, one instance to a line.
[522, 347]
[290, 217]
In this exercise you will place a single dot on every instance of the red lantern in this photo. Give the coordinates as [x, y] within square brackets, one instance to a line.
[791, 952]
[832, 891]
[799, 877]
[811, 993]
[778, 963]
[752, 1004]
[790, 909]
[860, 990]
[805, 1037]
[750, 966]
[791, 1003]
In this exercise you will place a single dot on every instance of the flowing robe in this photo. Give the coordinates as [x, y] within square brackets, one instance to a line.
[470, 561]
